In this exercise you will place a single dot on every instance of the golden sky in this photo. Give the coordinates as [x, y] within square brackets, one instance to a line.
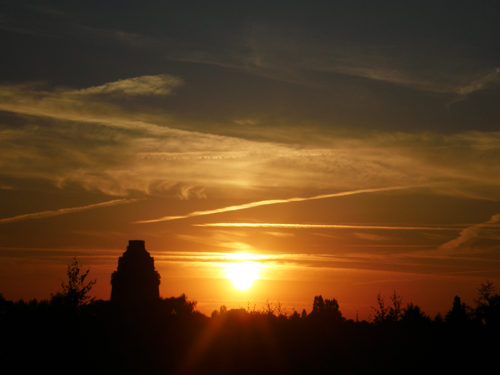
[348, 148]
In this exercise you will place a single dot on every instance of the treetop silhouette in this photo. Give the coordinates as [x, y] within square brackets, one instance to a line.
[75, 293]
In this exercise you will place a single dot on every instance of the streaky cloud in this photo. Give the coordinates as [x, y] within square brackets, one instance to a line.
[62, 211]
[272, 53]
[273, 201]
[473, 232]
[161, 84]
[320, 226]
[134, 150]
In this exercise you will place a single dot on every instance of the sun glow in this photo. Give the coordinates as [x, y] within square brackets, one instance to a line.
[243, 274]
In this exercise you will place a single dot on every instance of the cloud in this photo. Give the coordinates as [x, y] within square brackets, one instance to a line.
[406, 263]
[95, 105]
[276, 53]
[323, 226]
[63, 211]
[285, 50]
[281, 234]
[162, 84]
[280, 53]
[489, 229]
[480, 83]
[63, 137]
[190, 191]
[233, 241]
[266, 203]
[247, 122]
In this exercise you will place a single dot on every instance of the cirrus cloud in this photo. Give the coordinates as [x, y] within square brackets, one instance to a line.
[162, 84]
[67, 136]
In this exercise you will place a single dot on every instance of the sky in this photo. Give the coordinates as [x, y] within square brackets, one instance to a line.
[347, 148]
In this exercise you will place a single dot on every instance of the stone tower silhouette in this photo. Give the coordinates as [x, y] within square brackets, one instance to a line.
[135, 281]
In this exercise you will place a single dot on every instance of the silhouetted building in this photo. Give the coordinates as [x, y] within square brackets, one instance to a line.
[135, 281]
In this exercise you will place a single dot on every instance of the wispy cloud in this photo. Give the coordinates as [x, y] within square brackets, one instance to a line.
[190, 191]
[321, 226]
[233, 241]
[162, 84]
[489, 229]
[401, 263]
[270, 202]
[493, 76]
[95, 105]
[63, 211]
[89, 139]
[278, 53]
[281, 234]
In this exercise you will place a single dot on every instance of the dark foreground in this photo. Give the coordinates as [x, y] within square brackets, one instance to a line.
[172, 338]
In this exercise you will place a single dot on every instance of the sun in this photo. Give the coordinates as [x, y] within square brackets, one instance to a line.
[243, 274]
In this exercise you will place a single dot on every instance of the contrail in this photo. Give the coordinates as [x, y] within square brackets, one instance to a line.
[62, 211]
[272, 201]
[334, 226]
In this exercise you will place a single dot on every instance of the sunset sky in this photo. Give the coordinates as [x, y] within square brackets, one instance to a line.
[348, 148]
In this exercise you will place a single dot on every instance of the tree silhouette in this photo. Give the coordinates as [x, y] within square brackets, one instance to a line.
[459, 314]
[223, 310]
[392, 313]
[485, 292]
[488, 305]
[178, 305]
[396, 311]
[326, 309]
[381, 311]
[318, 305]
[414, 316]
[76, 290]
[295, 316]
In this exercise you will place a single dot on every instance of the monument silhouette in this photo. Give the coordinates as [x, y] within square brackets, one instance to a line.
[136, 281]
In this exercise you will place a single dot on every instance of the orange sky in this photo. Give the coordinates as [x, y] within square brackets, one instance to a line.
[351, 149]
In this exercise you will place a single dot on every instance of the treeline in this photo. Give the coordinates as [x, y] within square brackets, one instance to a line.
[73, 333]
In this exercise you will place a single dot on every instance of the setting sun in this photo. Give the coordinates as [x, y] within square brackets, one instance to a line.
[243, 275]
